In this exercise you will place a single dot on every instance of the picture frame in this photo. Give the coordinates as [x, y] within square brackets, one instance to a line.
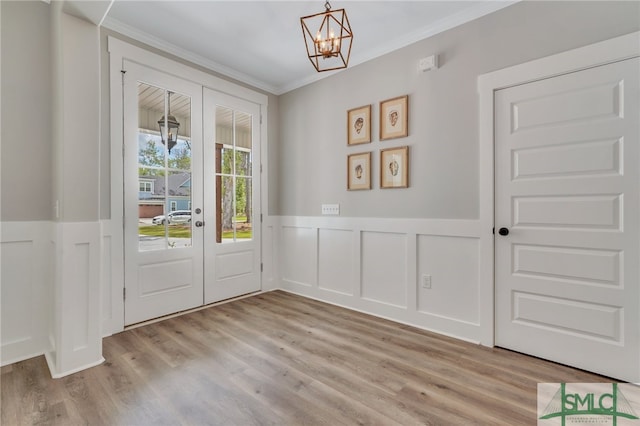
[359, 171]
[359, 125]
[394, 167]
[394, 118]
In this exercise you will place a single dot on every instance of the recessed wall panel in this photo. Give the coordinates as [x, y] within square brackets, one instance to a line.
[583, 266]
[335, 260]
[81, 279]
[453, 265]
[384, 277]
[589, 320]
[298, 257]
[107, 302]
[17, 288]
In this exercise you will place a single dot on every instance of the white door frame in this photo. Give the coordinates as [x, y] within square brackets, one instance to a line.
[113, 286]
[613, 50]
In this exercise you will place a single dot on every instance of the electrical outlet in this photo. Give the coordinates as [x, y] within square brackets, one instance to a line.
[331, 209]
[426, 281]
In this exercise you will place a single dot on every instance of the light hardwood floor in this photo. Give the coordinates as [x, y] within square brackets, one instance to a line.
[281, 359]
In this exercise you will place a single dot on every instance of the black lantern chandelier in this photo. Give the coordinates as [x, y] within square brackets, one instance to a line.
[328, 38]
[169, 128]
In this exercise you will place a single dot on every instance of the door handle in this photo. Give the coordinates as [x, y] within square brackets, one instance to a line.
[199, 224]
[503, 231]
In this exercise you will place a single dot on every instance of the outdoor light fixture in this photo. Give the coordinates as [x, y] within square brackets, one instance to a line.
[328, 38]
[169, 128]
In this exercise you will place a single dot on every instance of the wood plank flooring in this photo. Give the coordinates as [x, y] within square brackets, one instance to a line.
[281, 359]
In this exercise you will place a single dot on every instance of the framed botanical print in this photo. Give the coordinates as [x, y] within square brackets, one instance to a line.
[394, 118]
[359, 171]
[359, 125]
[394, 167]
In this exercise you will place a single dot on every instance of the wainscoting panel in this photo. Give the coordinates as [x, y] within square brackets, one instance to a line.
[335, 265]
[105, 283]
[384, 277]
[452, 263]
[77, 304]
[27, 289]
[376, 266]
[268, 265]
[299, 247]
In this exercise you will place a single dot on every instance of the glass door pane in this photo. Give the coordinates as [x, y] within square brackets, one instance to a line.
[234, 186]
[164, 169]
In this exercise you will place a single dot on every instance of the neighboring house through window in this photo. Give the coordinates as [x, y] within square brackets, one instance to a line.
[174, 206]
[146, 186]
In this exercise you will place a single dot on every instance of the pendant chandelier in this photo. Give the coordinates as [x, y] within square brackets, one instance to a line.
[169, 128]
[328, 38]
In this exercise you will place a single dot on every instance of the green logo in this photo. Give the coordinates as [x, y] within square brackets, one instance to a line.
[582, 407]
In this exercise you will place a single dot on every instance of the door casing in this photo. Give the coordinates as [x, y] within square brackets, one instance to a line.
[112, 230]
[608, 51]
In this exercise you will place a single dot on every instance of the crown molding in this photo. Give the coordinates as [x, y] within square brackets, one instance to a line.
[143, 37]
[467, 15]
[445, 24]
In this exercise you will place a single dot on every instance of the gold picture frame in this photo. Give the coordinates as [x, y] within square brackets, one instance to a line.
[359, 125]
[394, 118]
[394, 167]
[359, 171]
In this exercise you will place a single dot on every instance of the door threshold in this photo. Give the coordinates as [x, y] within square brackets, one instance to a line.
[188, 311]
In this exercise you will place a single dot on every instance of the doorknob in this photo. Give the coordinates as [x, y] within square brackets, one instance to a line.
[503, 231]
[199, 223]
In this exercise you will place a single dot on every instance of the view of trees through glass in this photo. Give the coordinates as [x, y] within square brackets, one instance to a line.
[164, 170]
[233, 175]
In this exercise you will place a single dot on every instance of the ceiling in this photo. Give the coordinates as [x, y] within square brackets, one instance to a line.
[260, 42]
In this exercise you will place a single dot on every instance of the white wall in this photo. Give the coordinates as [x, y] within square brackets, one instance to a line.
[50, 255]
[443, 111]
[369, 259]
[377, 265]
[372, 258]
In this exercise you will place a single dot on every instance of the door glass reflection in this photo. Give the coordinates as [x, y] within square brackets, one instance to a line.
[234, 189]
[164, 169]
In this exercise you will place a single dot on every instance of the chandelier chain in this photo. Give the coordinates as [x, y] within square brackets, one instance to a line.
[327, 5]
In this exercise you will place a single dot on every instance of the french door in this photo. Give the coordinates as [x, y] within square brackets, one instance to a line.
[190, 235]
[567, 224]
[232, 191]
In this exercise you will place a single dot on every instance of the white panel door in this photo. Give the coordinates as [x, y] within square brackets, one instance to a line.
[232, 196]
[567, 187]
[163, 249]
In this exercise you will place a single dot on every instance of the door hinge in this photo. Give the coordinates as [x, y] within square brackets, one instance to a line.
[261, 267]
[260, 118]
[260, 217]
[124, 293]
